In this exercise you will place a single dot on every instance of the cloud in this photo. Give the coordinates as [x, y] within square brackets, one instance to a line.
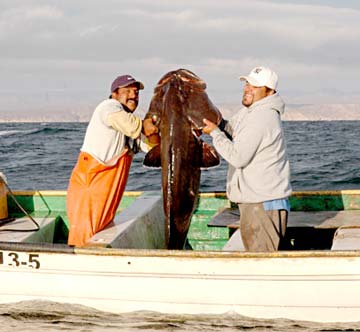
[19, 22]
[57, 44]
[203, 28]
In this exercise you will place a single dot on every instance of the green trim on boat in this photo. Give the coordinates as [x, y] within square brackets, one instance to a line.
[200, 236]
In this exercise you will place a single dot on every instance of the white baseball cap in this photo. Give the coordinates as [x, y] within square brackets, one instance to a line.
[261, 76]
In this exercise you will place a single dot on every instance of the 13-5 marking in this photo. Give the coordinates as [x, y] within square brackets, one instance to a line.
[31, 260]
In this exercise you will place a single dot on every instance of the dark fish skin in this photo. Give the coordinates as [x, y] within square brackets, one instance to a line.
[180, 103]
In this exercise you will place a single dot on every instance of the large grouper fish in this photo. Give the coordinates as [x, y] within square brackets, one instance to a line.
[178, 107]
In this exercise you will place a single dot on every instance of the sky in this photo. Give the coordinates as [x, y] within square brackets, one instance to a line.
[65, 54]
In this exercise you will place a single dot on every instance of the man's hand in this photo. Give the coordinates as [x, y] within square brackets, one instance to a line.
[151, 131]
[209, 126]
[149, 128]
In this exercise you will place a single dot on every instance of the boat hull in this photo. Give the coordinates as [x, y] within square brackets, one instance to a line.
[313, 286]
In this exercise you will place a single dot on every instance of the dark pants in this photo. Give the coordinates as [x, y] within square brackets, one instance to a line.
[261, 230]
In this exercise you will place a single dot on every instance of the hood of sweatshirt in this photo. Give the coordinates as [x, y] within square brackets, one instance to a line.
[273, 101]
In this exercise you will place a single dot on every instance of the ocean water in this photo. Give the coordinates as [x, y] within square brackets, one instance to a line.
[46, 316]
[324, 155]
[40, 156]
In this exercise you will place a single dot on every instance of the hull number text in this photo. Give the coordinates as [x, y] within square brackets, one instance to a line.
[19, 259]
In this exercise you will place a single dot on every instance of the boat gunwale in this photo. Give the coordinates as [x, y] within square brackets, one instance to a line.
[217, 254]
[64, 249]
[220, 194]
[60, 193]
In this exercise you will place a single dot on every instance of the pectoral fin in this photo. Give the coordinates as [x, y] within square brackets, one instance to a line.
[210, 157]
[153, 157]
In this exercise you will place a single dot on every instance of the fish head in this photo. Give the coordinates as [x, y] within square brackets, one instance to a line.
[187, 91]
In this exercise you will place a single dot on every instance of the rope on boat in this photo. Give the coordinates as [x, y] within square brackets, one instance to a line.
[2, 177]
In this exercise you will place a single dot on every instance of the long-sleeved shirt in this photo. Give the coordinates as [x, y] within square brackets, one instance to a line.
[259, 169]
[110, 124]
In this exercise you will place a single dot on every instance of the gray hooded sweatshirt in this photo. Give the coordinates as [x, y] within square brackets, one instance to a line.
[259, 169]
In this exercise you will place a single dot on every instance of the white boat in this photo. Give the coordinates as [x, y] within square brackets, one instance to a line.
[125, 268]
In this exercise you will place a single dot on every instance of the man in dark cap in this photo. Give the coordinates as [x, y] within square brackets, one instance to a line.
[98, 180]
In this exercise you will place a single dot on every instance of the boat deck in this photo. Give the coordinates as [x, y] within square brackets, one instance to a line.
[229, 217]
[24, 230]
[343, 227]
[317, 221]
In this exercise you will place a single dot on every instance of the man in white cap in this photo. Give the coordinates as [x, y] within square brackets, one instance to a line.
[98, 179]
[253, 144]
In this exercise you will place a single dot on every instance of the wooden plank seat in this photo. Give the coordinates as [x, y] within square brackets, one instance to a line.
[225, 217]
[346, 238]
[131, 227]
[235, 242]
[22, 230]
[345, 222]
[229, 217]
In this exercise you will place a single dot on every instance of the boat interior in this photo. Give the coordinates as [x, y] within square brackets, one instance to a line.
[318, 221]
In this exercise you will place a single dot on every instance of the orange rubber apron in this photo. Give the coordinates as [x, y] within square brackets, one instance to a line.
[94, 194]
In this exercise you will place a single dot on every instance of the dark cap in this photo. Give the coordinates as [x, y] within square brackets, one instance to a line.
[125, 80]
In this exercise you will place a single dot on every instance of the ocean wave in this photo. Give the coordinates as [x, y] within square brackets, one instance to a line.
[45, 130]
[6, 133]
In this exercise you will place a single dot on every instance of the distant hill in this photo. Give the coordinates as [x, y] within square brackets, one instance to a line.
[82, 113]
[310, 112]
[324, 112]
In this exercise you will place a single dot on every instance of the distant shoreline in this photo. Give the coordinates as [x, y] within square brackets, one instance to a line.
[284, 120]
[308, 112]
